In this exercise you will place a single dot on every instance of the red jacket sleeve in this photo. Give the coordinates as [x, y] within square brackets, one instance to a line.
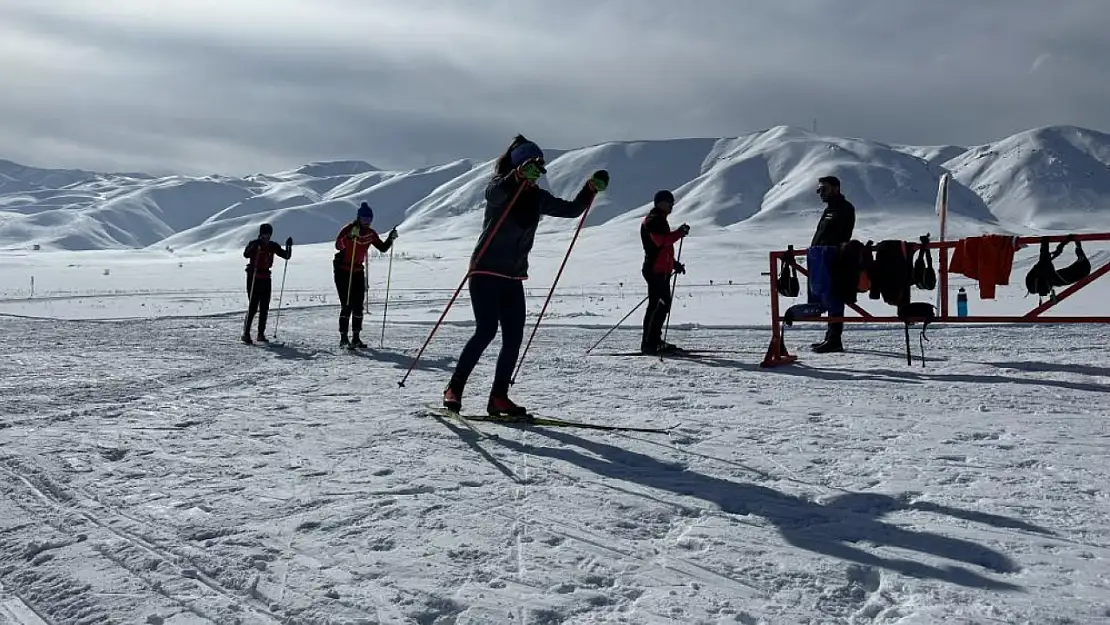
[669, 238]
[341, 240]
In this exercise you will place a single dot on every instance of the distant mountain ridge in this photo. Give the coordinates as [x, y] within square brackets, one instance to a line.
[1049, 178]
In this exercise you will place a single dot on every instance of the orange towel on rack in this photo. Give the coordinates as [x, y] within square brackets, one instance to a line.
[988, 259]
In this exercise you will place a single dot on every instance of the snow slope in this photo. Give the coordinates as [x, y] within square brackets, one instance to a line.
[1056, 177]
[743, 185]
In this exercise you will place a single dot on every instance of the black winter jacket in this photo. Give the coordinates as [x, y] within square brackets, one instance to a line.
[507, 254]
[837, 223]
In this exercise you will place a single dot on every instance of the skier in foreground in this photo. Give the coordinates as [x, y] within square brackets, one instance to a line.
[353, 243]
[260, 253]
[497, 275]
[659, 262]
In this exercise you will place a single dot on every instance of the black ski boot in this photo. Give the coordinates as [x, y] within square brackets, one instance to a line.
[832, 343]
[830, 346]
[246, 338]
[356, 342]
[343, 341]
[669, 348]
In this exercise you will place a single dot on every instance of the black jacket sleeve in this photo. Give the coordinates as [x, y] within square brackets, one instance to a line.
[502, 189]
[558, 207]
[278, 250]
[499, 191]
[383, 245]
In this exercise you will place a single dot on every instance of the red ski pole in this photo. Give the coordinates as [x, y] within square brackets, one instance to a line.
[473, 263]
[551, 292]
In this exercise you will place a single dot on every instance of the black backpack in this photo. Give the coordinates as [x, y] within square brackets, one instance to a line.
[787, 283]
[924, 276]
[1043, 278]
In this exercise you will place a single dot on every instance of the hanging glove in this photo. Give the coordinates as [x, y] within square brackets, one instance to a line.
[684, 229]
[530, 170]
[679, 267]
[599, 181]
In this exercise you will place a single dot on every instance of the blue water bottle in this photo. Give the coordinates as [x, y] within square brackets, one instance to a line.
[961, 303]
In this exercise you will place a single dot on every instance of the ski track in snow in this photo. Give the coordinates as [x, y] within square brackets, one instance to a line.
[157, 471]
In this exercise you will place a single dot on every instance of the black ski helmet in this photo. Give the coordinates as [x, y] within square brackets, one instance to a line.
[265, 229]
[664, 196]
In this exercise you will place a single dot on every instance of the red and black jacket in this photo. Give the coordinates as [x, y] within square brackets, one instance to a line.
[658, 240]
[261, 256]
[352, 251]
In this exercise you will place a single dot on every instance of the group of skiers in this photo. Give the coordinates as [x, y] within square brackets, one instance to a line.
[499, 266]
[348, 266]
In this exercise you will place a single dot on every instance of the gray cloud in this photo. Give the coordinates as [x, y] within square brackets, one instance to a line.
[248, 86]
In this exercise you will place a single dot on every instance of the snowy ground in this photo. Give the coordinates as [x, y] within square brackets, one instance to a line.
[156, 471]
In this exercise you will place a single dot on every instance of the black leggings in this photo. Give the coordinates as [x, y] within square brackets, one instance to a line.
[659, 304]
[355, 283]
[497, 302]
[259, 302]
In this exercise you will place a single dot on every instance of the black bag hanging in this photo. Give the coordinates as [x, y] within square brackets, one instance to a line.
[1039, 279]
[787, 283]
[924, 276]
[1076, 271]
[1043, 277]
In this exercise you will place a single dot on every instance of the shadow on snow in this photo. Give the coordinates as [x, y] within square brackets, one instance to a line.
[831, 528]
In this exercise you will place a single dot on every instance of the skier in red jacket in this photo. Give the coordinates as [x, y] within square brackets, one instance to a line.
[353, 243]
[260, 253]
[659, 263]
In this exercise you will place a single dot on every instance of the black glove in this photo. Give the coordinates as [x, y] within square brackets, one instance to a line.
[289, 242]
[392, 235]
[679, 268]
[684, 229]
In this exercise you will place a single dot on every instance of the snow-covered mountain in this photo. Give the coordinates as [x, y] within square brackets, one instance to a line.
[1053, 178]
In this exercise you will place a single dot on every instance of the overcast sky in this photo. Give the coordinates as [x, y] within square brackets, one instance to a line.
[245, 86]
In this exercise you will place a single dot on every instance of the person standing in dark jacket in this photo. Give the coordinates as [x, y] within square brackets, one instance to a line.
[835, 228]
[659, 263]
[499, 265]
[348, 266]
[260, 253]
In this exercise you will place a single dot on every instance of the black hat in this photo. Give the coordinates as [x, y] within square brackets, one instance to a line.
[832, 181]
[265, 229]
[664, 196]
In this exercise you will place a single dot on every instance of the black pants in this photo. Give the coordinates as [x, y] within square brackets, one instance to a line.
[258, 296]
[496, 302]
[351, 287]
[835, 330]
[659, 305]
